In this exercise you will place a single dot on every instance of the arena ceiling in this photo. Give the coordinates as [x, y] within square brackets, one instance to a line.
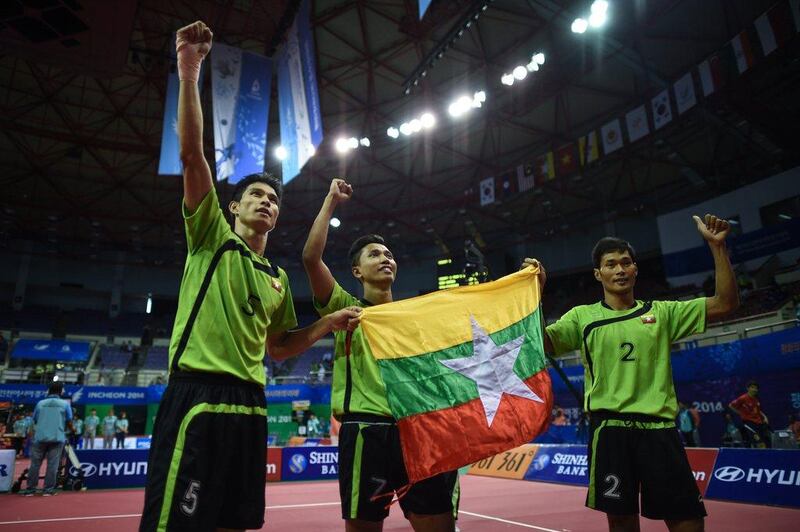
[82, 87]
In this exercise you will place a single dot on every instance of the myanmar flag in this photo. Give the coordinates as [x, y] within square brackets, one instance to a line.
[464, 371]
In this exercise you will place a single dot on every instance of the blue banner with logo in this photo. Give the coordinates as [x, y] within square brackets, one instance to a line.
[59, 350]
[567, 464]
[169, 163]
[286, 393]
[114, 468]
[309, 463]
[240, 84]
[298, 96]
[762, 476]
[79, 395]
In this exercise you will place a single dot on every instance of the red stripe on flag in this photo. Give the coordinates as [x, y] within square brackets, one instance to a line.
[444, 440]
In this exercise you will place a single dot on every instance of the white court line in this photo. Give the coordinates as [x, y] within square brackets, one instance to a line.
[309, 505]
[524, 525]
[125, 516]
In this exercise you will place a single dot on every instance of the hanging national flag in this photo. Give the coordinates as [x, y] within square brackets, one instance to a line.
[487, 191]
[710, 74]
[525, 178]
[636, 120]
[588, 148]
[505, 185]
[566, 158]
[662, 112]
[545, 169]
[742, 51]
[612, 136]
[684, 93]
[464, 371]
[774, 28]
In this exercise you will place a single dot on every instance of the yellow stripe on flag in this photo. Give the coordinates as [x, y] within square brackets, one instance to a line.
[440, 320]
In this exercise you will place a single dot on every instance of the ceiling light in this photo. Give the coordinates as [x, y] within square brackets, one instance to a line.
[597, 19]
[538, 58]
[416, 125]
[364, 142]
[520, 72]
[352, 143]
[341, 145]
[405, 129]
[599, 6]
[335, 222]
[507, 79]
[281, 153]
[579, 25]
[480, 96]
[393, 132]
[427, 120]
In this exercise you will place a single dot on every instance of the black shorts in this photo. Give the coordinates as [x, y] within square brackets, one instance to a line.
[371, 463]
[207, 463]
[626, 454]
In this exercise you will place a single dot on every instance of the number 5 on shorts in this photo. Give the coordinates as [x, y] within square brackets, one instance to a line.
[189, 503]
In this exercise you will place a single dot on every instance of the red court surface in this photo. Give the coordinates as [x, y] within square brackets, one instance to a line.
[487, 504]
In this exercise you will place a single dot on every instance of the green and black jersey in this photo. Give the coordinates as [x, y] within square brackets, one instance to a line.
[357, 383]
[626, 353]
[230, 300]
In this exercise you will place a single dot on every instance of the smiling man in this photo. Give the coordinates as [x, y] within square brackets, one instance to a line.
[629, 393]
[370, 457]
[207, 464]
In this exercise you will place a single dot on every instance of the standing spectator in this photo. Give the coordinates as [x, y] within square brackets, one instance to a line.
[21, 430]
[312, 426]
[321, 373]
[90, 428]
[50, 416]
[109, 429]
[560, 418]
[696, 420]
[121, 427]
[76, 432]
[755, 428]
[28, 435]
[686, 425]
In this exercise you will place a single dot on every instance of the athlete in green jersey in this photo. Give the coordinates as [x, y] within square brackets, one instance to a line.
[629, 392]
[370, 457]
[207, 458]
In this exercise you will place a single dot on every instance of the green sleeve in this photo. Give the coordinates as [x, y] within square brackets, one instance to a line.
[339, 299]
[284, 317]
[685, 318]
[565, 334]
[206, 226]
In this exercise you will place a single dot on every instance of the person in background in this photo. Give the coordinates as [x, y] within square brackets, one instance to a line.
[313, 426]
[76, 431]
[109, 429]
[732, 437]
[121, 429]
[560, 418]
[90, 428]
[21, 429]
[755, 428]
[686, 425]
[695, 413]
[794, 427]
[51, 417]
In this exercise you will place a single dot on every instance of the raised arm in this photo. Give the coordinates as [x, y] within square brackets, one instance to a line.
[726, 295]
[193, 43]
[319, 275]
[542, 277]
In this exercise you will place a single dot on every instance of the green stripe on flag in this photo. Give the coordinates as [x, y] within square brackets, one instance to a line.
[420, 384]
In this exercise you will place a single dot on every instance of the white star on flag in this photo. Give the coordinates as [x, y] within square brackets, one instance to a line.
[491, 366]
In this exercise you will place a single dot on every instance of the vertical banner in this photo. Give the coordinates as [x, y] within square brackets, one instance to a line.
[298, 96]
[170, 162]
[240, 83]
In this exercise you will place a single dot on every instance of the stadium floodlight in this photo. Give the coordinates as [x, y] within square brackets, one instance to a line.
[335, 222]
[480, 96]
[519, 72]
[507, 79]
[599, 6]
[55, 378]
[364, 142]
[533, 66]
[405, 129]
[427, 120]
[352, 143]
[393, 132]
[341, 145]
[597, 19]
[416, 125]
[281, 153]
[579, 25]
[538, 58]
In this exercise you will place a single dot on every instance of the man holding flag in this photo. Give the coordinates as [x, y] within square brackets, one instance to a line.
[370, 459]
[630, 397]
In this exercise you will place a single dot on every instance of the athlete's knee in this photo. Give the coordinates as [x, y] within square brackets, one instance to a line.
[443, 522]
[360, 525]
[623, 523]
[686, 525]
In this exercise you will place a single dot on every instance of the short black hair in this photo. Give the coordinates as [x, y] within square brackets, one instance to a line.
[752, 383]
[263, 177]
[610, 244]
[360, 243]
[55, 388]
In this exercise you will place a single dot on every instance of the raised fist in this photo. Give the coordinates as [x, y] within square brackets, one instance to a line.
[192, 43]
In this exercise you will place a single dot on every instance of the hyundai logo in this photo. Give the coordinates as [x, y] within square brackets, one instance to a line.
[729, 474]
[88, 470]
[298, 463]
